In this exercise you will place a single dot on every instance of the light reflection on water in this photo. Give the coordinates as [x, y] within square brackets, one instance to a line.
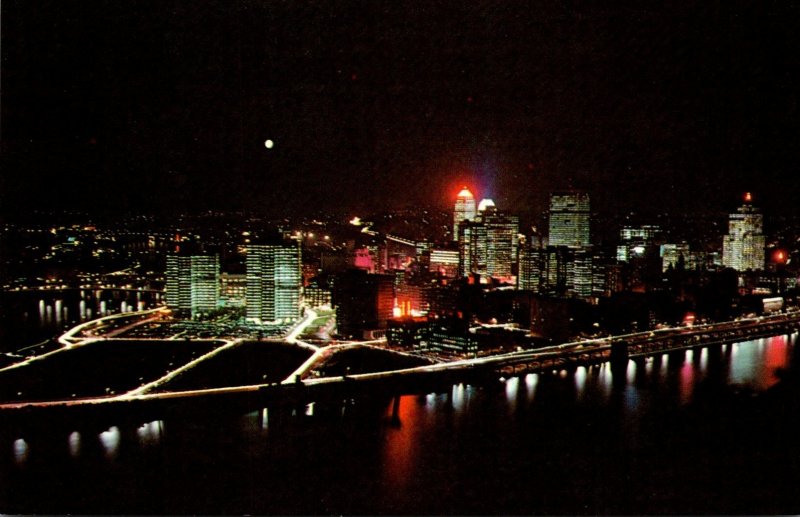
[459, 397]
[531, 380]
[580, 379]
[20, 451]
[110, 441]
[74, 444]
[150, 433]
[512, 389]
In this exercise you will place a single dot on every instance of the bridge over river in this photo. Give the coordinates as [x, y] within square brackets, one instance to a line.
[424, 379]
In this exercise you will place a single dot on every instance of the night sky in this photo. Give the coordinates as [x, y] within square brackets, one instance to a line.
[160, 105]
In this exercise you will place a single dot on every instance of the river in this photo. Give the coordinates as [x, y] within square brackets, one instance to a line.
[35, 316]
[690, 432]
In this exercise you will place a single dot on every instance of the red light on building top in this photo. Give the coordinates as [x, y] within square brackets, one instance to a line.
[779, 257]
[748, 197]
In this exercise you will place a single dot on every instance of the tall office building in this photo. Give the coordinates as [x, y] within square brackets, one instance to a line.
[192, 283]
[531, 266]
[471, 248]
[488, 244]
[502, 232]
[464, 210]
[743, 247]
[274, 282]
[569, 219]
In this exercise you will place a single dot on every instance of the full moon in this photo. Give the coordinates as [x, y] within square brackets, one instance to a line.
[268, 144]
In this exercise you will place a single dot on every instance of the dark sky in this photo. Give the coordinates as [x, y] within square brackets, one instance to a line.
[166, 105]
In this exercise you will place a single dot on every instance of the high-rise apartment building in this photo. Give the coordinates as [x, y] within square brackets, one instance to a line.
[192, 283]
[569, 219]
[464, 210]
[274, 282]
[743, 247]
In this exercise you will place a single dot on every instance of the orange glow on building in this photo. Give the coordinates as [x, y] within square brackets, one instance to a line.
[405, 308]
[748, 197]
[779, 257]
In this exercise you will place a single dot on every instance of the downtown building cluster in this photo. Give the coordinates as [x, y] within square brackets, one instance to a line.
[448, 294]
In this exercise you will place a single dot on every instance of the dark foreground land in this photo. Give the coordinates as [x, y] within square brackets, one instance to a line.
[354, 361]
[252, 362]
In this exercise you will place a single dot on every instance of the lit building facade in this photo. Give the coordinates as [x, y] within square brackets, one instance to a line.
[502, 232]
[743, 247]
[531, 266]
[569, 219]
[674, 256]
[488, 244]
[444, 262]
[464, 210]
[472, 246]
[233, 289]
[274, 282]
[635, 240]
[193, 283]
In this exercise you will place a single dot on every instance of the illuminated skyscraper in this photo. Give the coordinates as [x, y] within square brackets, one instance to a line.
[502, 232]
[531, 265]
[464, 210]
[274, 281]
[569, 219]
[743, 247]
[488, 244]
[472, 248]
[569, 254]
[192, 283]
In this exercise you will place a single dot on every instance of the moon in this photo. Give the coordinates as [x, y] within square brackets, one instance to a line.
[268, 144]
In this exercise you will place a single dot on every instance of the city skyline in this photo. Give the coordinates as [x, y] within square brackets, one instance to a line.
[109, 106]
[423, 258]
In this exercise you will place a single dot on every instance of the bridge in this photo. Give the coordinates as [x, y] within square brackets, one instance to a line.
[296, 393]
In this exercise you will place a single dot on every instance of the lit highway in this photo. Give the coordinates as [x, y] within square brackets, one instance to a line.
[689, 337]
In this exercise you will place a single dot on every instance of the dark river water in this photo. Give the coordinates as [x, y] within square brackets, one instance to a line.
[705, 431]
[30, 317]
